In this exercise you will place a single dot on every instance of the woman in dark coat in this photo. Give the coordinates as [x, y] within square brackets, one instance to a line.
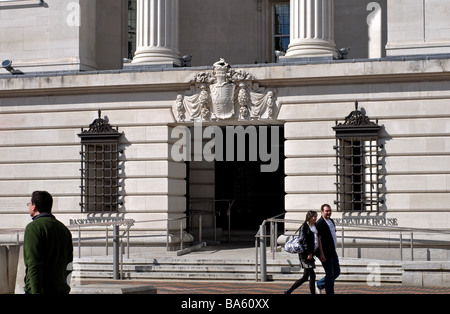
[310, 243]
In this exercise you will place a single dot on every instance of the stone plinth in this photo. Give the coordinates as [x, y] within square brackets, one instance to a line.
[113, 289]
[9, 258]
[426, 274]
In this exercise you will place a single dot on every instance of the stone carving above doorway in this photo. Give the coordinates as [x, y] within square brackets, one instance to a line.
[223, 94]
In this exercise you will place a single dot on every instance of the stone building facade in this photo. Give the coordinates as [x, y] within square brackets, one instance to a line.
[275, 69]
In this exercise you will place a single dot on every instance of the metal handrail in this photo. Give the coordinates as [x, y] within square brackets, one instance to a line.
[126, 222]
[356, 227]
[200, 213]
[117, 223]
[260, 238]
[117, 238]
[40, 1]
[394, 229]
[214, 213]
[167, 228]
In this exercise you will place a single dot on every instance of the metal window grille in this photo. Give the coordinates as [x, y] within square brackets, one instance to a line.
[357, 163]
[100, 168]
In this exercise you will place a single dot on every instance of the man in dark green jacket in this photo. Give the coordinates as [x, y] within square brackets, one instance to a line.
[47, 249]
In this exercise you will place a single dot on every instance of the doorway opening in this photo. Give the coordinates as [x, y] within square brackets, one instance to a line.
[234, 194]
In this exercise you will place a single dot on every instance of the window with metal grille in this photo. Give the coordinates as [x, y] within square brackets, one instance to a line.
[357, 163]
[100, 168]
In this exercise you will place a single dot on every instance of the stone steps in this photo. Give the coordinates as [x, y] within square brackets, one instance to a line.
[284, 268]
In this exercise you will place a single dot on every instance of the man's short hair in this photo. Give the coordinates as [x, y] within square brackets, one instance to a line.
[43, 201]
[323, 207]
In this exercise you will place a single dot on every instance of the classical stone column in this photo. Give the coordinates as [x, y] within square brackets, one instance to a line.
[157, 32]
[312, 29]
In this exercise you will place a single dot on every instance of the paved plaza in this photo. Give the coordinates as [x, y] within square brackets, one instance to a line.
[242, 287]
[187, 296]
[172, 286]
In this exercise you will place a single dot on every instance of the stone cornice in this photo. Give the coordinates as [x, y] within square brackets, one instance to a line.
[271, 75]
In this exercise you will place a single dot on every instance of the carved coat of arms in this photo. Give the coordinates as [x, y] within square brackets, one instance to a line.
[225, 94]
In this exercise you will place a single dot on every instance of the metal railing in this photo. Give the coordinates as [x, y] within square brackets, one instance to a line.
[115, 224]
[392, 230]
[200, 214]
[117, 241]
[214, 213]
[261, 241]
[41, 2]
[181, 220]
[261, 238]
[117, 238]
